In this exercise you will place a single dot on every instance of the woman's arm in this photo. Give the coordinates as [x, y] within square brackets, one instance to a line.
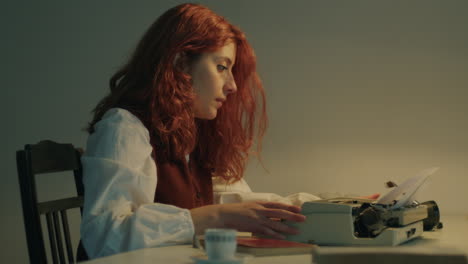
[119, 212]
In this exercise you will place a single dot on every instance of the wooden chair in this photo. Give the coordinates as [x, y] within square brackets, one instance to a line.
[46, 157]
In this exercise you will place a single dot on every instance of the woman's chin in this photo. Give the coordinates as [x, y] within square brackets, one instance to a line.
[208, 116]
[211, 117]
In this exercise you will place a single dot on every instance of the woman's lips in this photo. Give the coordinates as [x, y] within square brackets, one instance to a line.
[220, 101]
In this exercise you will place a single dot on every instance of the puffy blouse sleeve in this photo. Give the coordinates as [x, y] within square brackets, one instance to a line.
[119, 175]
[240, 192]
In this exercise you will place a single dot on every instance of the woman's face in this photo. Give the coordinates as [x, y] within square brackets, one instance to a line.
[212, 80]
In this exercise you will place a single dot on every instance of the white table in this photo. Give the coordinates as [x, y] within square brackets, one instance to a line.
[454, 234]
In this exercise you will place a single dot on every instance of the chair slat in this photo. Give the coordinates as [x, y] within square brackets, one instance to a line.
[58, 236]
[53, 245]
[61, 204]
[66, 233]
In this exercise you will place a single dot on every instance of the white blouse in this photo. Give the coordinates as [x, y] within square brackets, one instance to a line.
[119, 176]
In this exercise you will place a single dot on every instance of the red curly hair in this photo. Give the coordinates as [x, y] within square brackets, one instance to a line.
[154, 87]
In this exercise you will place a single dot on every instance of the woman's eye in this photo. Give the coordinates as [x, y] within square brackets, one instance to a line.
[221, 68]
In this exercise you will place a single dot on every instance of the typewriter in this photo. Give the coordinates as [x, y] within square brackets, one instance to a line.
[354, 221]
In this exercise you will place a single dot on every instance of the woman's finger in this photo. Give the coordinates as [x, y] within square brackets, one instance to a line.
[282, 214]
[281, 227]
[372, 196]
[287, 207]
[266, 231]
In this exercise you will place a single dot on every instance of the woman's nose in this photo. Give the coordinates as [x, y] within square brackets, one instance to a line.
[230, 86]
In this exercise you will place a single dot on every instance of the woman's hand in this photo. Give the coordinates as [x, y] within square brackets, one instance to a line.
[255, 217]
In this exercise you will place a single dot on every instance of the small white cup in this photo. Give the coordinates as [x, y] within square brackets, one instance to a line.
[220, 243]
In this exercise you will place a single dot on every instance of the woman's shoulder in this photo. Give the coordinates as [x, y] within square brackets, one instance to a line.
[119, 135]
[118, 122]
[120, 115]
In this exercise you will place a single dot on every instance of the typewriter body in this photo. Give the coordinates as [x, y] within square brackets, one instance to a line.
[354, 221]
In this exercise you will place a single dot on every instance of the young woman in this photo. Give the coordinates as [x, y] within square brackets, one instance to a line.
[181, 118]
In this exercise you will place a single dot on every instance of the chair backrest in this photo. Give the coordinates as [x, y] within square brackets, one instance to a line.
[46, 157]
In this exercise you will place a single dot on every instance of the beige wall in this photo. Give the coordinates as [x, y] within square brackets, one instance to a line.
[359, 92]
[362, 92]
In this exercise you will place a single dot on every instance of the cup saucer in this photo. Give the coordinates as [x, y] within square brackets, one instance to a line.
[237, 259]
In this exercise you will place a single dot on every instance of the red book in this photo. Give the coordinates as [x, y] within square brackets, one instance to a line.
[271, 247]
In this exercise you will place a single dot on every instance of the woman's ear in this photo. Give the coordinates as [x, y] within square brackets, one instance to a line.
[181, 62]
